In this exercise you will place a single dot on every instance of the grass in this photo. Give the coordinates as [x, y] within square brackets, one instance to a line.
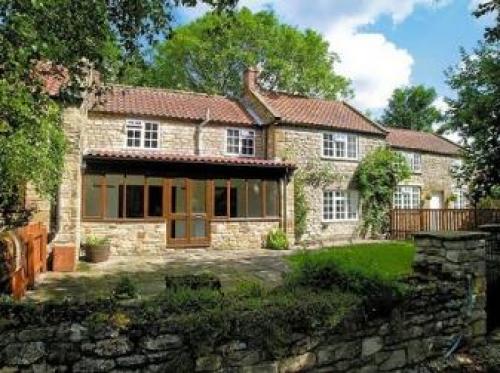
[388, 261]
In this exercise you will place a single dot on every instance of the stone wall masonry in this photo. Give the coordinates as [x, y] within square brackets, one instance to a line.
[240, 234]
[441, 309]
[305, 144]
[176, 137]
[130, 238]
[435, 177]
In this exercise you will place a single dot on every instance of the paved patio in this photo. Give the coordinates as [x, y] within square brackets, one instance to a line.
[94, 280]
[231, 266]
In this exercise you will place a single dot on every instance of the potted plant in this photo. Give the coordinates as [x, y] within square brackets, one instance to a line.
[97, 249]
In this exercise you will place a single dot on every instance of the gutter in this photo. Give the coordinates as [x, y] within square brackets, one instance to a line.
[197, 133]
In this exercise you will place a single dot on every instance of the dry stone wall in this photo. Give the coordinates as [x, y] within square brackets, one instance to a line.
[445, 306]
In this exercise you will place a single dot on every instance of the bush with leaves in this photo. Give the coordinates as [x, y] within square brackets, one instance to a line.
[277, 240]
[377, 177]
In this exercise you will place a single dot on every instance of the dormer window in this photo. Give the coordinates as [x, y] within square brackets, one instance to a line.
[340, 145]
[240, 142]
[414, 161]
[142, 134]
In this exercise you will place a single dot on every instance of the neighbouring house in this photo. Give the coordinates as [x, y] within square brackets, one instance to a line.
[154, 168]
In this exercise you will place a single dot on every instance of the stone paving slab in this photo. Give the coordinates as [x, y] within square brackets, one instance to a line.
[231, 266]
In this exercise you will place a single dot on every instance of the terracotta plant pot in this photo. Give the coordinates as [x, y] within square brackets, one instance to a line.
[63, 258]
[97, 253]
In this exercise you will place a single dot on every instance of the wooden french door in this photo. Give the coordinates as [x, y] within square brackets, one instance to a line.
[188, 212]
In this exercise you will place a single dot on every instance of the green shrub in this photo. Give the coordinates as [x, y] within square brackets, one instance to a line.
[92, 240]
[125, 289]
[277, 240]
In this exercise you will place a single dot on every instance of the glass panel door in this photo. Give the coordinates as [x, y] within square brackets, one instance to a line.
[188, 217]
[198, 222]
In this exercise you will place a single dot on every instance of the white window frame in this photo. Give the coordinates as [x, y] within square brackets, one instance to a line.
[141, 127]
[350, 201]
[339, 138]
[407, 197]
[243, 134]
[414, 161]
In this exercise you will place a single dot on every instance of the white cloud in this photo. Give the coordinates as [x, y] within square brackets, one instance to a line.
[375, 65]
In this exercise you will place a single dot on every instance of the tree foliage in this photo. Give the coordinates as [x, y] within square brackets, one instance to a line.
[376, 177]
[211, 53]
[412, 108]
[475, 112]
[68, 33]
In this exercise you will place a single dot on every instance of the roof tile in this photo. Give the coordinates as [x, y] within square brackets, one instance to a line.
[295, 109]
[158, 155]
[424, 141]
[171, 104]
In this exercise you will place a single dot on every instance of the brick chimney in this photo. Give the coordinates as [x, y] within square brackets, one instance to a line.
[250, 78]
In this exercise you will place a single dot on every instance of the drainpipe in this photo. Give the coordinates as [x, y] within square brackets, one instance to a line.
[198, 132]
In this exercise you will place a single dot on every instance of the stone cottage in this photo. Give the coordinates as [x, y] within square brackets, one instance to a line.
[153, 168]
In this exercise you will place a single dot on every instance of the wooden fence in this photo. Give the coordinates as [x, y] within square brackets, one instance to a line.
[405, 222]
[26, 254]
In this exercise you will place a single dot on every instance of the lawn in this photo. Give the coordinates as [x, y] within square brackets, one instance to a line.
[389, 260]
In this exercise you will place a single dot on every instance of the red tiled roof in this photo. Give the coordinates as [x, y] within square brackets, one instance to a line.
[424, 141]
[311, 111]
[159, 156]
[171, 104]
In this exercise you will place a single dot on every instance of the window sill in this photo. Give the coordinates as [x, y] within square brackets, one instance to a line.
[353, 160]
[240, 220]
[340, 221]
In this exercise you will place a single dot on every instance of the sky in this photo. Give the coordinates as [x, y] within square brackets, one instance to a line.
[384, 44]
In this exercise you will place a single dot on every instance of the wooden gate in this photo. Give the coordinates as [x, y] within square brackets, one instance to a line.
[25, 256]
[405, 222]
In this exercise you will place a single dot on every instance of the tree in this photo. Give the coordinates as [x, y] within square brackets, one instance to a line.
[412, 108]
[74, 35]
[210, 54]
[377, 177]
[475, 112]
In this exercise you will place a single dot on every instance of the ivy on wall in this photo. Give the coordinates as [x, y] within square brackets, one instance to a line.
[377, 177]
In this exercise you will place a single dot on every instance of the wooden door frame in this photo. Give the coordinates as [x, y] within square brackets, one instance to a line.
[187, 216]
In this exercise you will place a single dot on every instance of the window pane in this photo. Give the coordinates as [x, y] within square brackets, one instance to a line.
[233, 141]
[352, 146]
[134, 129]
[327, 205]
[198, 196]
[254, 198]
[151, 135]
[135, 196]
[272, 198]
[198, 228]
[155, 196]
[177, 228]
[340, 149]
[238, 198]
[178, 197]
[92, 195]
[328, 145]
[220, 197]
[114, 196]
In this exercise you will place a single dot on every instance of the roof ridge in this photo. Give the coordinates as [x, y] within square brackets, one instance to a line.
[171, 90]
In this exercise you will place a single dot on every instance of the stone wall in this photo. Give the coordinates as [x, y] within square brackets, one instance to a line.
[445, 307]
[130, 238]
[240, 234]
[435, 177]
[305, 144]
[175, 137]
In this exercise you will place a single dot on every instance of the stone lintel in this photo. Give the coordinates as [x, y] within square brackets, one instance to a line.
[451, 236]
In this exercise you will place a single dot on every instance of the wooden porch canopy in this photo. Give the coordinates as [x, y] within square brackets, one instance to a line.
[164, 163]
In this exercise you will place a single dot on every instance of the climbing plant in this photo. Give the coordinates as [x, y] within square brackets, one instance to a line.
[314, 173]
[376, 177]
